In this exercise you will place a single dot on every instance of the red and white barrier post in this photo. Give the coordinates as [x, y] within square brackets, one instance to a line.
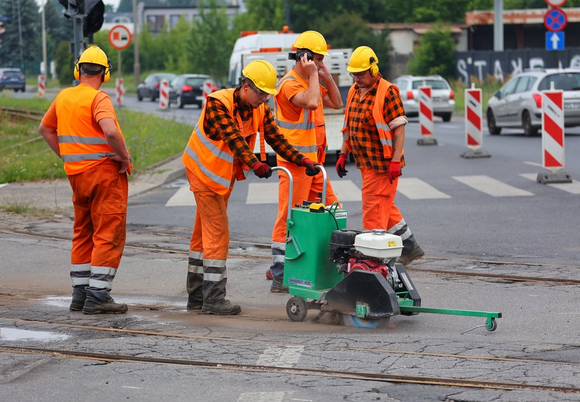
[41, 86]
[119, 91]
[426, 117]
[164, 95]
[553, 137]
[473, 124]
[207, 89]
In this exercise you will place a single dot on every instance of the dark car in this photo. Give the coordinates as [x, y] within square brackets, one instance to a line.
[12, 78]
[187, 89]
[150, 87]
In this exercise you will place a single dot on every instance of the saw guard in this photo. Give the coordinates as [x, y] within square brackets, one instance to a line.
[362, 288]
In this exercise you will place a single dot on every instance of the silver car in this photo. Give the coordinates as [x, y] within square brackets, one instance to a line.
[518, 104]
[443, 96]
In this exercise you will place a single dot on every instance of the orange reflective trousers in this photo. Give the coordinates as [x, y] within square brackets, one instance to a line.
[100, 215]
[378, 201]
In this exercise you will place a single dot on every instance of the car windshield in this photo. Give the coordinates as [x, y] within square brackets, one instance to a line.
[12, 73]
[196, 81]
[562, 81]
[434, 84]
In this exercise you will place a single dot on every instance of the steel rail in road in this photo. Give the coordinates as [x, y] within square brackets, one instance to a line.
[25, 114]
[352, 375]
[503, 277]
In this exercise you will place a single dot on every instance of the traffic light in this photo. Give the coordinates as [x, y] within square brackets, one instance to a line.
[91, 11]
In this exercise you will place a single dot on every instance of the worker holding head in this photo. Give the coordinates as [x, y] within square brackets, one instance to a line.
[374, 133]
[299, 114]
[82, 129]
[219, 152]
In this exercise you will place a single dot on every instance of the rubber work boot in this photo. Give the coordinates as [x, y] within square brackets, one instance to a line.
[220, 307]
[269, 275]
[195, 300]
[78, 298]
[278, 286]
[416, 254]
[99, 301]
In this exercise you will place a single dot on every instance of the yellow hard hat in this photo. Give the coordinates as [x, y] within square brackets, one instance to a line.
[312, 41]
[262, 74]
[94, 55]
[362, 59]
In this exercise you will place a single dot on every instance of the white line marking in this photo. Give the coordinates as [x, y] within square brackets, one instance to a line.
[346, 190]
[3, 184]
[490, 186]
[286, 356]
[262, 193]
[534, 164]
[261, 397]
[417, 189]
[572, 188]
[182, 198]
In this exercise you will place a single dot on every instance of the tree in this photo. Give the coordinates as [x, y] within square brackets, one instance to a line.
[64, 64]
[435, 54]
[58, 28]
[255, 17]
[211, 43]
[20, 40]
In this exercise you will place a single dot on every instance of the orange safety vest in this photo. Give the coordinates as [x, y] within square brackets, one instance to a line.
[82, 143]
[212, 161]
[300, 134]
[385, 133]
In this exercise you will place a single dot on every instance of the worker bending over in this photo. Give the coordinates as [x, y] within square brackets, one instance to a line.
[374, 132]
[219, 152]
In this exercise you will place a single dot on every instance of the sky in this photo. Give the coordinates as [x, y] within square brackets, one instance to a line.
[114, 3]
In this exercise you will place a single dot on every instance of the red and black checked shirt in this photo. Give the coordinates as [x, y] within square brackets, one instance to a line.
[219, 124]
[365, 143]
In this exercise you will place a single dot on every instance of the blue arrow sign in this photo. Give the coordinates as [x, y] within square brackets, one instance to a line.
[555, 40]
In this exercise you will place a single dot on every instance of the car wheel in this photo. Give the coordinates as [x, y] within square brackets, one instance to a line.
[153, 98]
[200, 104]
[139, 97]
[446, 117]
[15, 89]
[491, 124]
[178, 101]
[529, 130]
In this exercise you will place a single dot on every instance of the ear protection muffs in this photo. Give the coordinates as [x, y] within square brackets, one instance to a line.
[374, 67]
[106, 75]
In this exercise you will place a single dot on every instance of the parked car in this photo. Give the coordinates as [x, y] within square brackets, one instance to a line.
[150, 87]
[187, 89]
[443, 96]
[518, 104]
[12, 78]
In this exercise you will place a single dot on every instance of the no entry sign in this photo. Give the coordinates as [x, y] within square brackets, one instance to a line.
[119, 37]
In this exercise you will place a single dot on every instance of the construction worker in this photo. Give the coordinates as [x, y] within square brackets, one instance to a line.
[82, 129]
[374, 132]
[219, 152]
[299, 113]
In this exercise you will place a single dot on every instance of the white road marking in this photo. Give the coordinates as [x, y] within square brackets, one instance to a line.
[261, 397]
[182, 198]
[490, 186]
[3, 184]
[533, 164]
[572, 188]
[346, 190]
[417, 189]
[278, 356]
[262, 193]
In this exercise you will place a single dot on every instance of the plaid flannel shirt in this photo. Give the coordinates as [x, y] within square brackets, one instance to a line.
[364, 139]
[219, 124]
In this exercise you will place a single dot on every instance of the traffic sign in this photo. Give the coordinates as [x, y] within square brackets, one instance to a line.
[555, 20]
[555, 41]
[119, 37]
[556, 3]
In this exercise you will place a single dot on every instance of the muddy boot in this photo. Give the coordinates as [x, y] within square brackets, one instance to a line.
[415, 254]
[220, 307]
[78, 298]
[99, 301]
[195, 300]
[278, 286]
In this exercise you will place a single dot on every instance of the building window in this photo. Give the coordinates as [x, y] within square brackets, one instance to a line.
[173, 20]
[155, 22]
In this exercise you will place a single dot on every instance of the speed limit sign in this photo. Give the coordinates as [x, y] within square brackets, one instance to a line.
[119, 37]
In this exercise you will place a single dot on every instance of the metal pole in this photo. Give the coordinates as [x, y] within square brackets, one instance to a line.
[44, 58]
[20, 37]
[498, 26]
[136, 65]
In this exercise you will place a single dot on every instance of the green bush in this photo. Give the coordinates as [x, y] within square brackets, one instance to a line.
[435, 54]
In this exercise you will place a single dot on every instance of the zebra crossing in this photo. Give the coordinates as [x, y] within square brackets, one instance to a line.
[410, 187]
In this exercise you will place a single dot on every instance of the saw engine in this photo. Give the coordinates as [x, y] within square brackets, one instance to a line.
[375, 251]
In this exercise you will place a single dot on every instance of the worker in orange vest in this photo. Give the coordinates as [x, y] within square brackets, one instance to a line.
[300, 116]
[219, 152]
[82, 129]
[377, 147]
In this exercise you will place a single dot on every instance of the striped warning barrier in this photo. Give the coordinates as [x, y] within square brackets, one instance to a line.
[119, 91]
[473, 124]
[553, 137]
[164, 94]
[207, 89]
[41, 86]
[426, 116]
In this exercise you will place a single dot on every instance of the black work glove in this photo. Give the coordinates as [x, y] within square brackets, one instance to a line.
[311, 169]
[341, 165]
[262, 170]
